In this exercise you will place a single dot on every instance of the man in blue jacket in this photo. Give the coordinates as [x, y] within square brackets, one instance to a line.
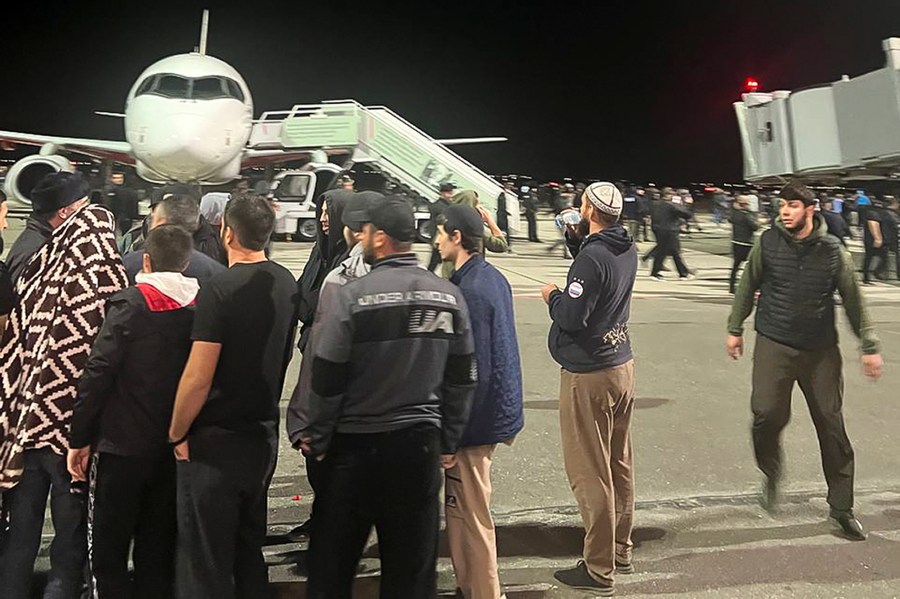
[589, 338]
[496, 415]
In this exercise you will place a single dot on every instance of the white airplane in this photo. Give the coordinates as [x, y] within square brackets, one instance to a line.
[187, 119]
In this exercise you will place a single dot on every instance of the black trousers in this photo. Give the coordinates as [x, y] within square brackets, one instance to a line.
[739, 253]
[222, 495]
[873, 253]
[132, 499]
[668, 245]
[390, 481]
[531, 217]
[653, 250]
[45, 473]
[776, 368]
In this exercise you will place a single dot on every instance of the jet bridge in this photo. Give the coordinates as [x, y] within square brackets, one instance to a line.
[835, 132]
[380, 138]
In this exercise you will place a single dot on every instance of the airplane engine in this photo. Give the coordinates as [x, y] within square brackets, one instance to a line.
[26, 173]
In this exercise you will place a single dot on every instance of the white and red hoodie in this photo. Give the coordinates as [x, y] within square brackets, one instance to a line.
[165, 291]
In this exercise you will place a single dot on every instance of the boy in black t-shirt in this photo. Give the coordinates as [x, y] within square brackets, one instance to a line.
[224, 426]
[122, 413]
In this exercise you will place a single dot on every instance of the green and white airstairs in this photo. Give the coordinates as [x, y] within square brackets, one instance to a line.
[373, 136]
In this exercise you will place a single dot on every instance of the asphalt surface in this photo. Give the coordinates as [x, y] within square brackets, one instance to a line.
[699, 530]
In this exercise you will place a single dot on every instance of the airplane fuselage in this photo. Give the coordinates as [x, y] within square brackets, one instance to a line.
[188, 119]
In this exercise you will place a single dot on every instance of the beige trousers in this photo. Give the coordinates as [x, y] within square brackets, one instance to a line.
[595, 423]
[470, 528]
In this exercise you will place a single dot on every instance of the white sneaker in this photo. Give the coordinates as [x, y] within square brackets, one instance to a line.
[688, 277]
[657, 278]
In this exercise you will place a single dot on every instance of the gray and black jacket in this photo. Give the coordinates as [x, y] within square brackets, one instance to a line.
[397, 351]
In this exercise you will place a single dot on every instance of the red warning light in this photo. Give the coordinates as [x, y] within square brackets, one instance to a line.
[751, 85]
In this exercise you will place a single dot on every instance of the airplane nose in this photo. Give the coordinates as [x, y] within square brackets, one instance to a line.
[188, 144]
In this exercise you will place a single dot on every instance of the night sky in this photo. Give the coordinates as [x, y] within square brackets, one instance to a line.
[634, 90]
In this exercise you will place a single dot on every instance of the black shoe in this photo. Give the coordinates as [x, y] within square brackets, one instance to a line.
[624, 567]
[579, 578]
[768, 496]
[300, 532]
[851, 527]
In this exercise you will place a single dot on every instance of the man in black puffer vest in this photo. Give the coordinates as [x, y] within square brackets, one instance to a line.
[797, 266]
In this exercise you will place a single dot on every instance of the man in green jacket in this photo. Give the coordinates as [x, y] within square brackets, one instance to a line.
[797, 267]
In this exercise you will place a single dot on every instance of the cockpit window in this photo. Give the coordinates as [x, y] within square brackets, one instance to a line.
[146, 86]
[185, 88]
[208, 88]
[172, 86]
[234, 90]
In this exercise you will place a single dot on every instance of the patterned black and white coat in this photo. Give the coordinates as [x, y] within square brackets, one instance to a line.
[62, 302]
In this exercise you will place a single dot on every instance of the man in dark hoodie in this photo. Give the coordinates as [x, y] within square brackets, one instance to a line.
[797, 267]
[497, 412]
[589, 338]
[329, 251]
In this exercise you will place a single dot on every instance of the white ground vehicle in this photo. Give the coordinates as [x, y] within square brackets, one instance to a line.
[295, 192]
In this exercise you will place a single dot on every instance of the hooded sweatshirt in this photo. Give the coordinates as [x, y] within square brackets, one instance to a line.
[125, 397]
[329, 251]
[352, 268]
[590, 316]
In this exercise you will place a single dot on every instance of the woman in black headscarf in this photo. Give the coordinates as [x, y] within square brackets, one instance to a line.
[329, 251]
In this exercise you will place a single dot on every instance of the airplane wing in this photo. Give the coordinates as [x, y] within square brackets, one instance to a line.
[256, 158]
[118, 151]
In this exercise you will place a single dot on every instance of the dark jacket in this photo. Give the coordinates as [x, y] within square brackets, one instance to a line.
[436, 209]
[797, 280]
[201, 266]
[125, 396]
[743, 226]
[208, 241]
[590, 316]
[631, 208]
[497, 414]
[122, 202]
[329, 251]
[7, 293]
[397, 352]
[667, 216]
[35, 235]
[837, 226]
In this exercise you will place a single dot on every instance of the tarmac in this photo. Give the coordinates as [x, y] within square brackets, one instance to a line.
[699, 531]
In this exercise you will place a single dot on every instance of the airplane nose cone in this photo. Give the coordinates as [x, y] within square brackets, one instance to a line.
[189, 146]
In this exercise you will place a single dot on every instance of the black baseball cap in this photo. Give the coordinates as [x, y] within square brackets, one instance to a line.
[356, 210]
[447, 187]
[393, 215]
[462, 218]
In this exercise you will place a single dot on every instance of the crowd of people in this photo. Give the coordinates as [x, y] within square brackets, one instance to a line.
[140, 392]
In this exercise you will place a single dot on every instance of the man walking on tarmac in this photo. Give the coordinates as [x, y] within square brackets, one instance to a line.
[797, 267]
[589, 338]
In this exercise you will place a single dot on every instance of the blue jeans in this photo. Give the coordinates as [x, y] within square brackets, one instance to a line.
[45, 472]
